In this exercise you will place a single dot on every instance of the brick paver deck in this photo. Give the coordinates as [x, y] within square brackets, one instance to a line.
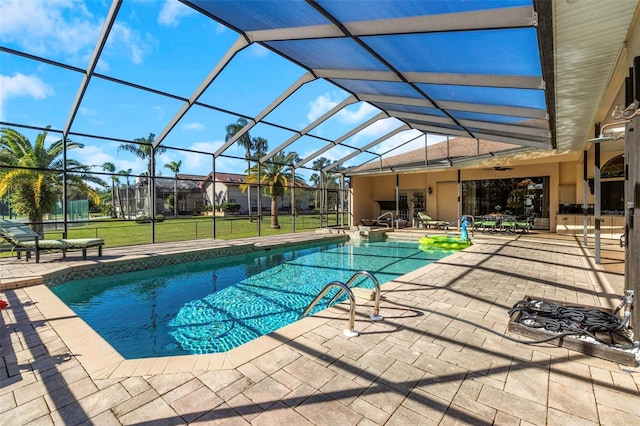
[433, 360]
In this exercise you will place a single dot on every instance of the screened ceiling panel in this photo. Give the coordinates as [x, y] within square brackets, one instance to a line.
[462, 52]
[415, 54]
[258, 89]
[525, 98]
[23, 74]
[318, 94]
[150, 58]
[494, 118]
[255, 15]
[123, 102]
[321, 78]
[386, 106]
[382, 88]
[332, 53]
[362, 10]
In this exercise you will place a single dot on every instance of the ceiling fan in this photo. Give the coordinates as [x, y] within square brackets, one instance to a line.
[499, 168]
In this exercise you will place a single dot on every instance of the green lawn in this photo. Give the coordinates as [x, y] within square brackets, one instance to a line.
[118, 233]
[123, 233]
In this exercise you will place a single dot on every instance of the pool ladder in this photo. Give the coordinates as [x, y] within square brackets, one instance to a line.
[346, 288]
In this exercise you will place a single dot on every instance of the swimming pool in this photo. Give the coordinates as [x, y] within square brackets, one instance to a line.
[216, 305]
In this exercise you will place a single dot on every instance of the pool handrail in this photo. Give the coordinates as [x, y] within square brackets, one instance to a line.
[470, 218]
[376, 307]
[350, 332]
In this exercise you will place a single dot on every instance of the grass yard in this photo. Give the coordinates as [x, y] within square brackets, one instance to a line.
[122, 233]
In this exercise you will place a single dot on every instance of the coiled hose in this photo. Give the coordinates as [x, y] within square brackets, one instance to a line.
[603, 327]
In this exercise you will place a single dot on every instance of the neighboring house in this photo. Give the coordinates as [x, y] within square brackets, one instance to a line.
[226, 189]
[196, 192]
[135, 200]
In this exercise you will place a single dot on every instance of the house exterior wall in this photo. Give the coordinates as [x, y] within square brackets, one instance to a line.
[565, 171]
[225, 193]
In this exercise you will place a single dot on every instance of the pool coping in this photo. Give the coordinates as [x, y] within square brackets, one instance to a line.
[102, 361]
[59, 271]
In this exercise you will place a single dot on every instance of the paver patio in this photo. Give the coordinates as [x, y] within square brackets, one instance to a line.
[433, 360]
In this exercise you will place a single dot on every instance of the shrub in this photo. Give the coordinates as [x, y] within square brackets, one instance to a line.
[229, 207]
[147, 219]
[143, 219]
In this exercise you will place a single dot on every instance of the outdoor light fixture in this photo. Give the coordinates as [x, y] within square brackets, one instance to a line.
[429, 190]
[602, 138]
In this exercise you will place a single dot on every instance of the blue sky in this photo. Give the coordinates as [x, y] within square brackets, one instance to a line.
[169, 47]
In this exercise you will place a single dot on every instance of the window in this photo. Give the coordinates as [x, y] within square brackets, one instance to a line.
[525, 197]
[612, 185]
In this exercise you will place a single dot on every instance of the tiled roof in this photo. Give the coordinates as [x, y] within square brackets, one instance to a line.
[437, 154]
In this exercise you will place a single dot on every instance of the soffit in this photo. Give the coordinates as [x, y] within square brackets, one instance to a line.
[589, 42]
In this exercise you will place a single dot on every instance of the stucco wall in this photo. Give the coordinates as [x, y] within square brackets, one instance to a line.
[367, 189]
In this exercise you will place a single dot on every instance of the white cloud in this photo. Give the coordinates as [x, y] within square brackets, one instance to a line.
[377, 129]
[159, 111]
[171, 12]
[135, 44]
[92, 156]
[195, 126]
[201, 164]
[399, 139]
[20, 85]
[257, 51]
[351, 115]
[364, 111]
[319, 106]
[46, 27]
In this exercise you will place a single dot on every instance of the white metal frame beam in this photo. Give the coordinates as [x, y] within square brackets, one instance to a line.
[93, 62]
[366, 147]
[307, 77]
[348, 101]
[342, 138]
[237, 46]
[505, 81]
[510, 17]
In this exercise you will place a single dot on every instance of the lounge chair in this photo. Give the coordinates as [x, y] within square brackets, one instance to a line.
[376, 222]
[427, 221]
[23, 239]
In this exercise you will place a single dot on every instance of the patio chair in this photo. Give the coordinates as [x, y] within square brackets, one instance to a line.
[24, 239]
[486, 223]
[427, 221]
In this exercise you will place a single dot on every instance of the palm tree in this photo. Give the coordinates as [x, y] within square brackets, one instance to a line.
[125, 174]
[316, 178]
[276, 176]
[247, 143]
[34, 174]
[175, 168]
[143, 149]
[260, 147]
[111, 168]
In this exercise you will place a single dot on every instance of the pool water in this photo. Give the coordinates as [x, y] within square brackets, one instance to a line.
[216, 305]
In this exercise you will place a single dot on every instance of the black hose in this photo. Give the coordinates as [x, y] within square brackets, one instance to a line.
[549, 308]
[574, 320]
